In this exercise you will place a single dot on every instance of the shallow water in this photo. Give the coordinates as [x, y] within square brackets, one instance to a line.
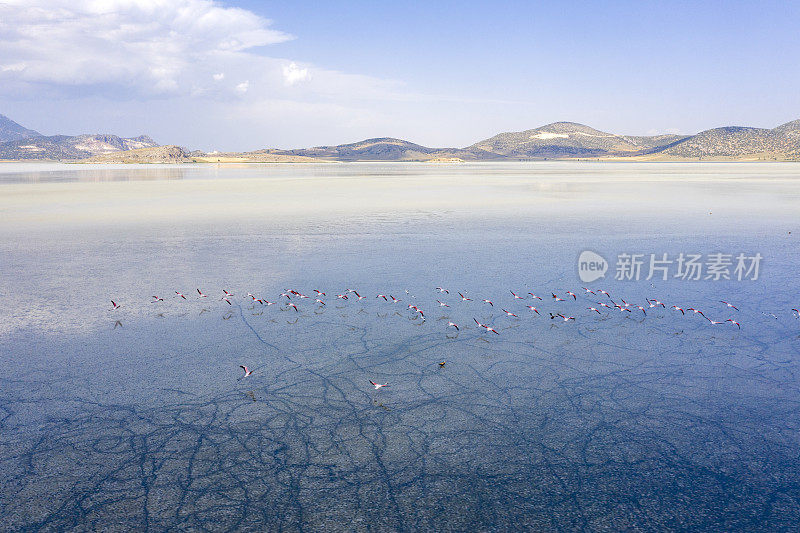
[138, 417]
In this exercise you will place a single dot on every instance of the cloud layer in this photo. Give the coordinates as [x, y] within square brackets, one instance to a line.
[148, 46]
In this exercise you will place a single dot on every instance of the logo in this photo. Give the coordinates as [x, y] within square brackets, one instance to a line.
[591, 266]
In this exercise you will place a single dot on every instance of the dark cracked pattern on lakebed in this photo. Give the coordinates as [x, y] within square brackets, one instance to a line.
[614, 421]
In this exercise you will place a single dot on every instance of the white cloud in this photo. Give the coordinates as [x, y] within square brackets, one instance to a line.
[152, 46]
[219, 77]
[242, 87]
[293, 74]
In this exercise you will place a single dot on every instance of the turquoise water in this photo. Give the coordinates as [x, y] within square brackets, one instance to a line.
[139, 417]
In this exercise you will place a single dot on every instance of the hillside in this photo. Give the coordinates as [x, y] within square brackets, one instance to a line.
[568, 139]
[64, 147]
[153, 154]
[736, 142]
[11, 131]
[558, 140]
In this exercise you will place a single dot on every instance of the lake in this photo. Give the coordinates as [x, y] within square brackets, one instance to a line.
[620, 418]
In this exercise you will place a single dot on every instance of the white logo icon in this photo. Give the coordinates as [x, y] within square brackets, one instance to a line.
[591, 266]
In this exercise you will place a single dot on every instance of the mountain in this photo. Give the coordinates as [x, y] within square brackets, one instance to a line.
[569, 139]
[740, 142]
[152, 154]
[64, 147]
[559, 140]
[379, 149]
[11, 131]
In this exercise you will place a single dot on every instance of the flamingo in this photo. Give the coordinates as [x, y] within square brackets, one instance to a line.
[201, 295]
[453, 324]
[157, 299]
[572, 294]
[734, 322]
[442, 304]
[509, 313]
[488, 302]
[464, 298]
[532, 308]
[378, 385]
[382, 296]
[516, 296]
[594, 309]
[440, 289]
[247, 371]
[115, 305]
[679, 309]
[729, 305]
[179, 295]
[556, 298]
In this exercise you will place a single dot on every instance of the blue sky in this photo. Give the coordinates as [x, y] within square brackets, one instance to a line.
[248, 75]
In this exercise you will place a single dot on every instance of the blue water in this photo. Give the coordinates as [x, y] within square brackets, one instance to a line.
[139, 418]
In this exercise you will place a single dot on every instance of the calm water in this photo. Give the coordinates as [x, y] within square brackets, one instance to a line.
[139, 417]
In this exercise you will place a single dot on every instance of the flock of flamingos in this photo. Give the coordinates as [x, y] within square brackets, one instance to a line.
[292, 299]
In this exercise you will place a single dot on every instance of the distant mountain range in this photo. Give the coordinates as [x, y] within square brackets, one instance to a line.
[18, 142]
[559, 140]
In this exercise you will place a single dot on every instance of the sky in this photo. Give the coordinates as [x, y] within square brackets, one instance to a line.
[246, 74]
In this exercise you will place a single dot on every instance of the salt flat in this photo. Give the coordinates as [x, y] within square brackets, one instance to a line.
[139, 417]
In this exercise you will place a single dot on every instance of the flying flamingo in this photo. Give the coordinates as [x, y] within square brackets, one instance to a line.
[556, 298]
[679, 309]
[733, 321]
[516, 296]
[453, 324]
[487, 328]
[532, 308]
[464, 298]
[180, 295]
[729, 305]
[378, 385]
[509, 313]
[115, 305]
[572, 294]
[442, 304]
[534, 296]
[247, 371]
[594, 309]
[201, 294]
[488, 302]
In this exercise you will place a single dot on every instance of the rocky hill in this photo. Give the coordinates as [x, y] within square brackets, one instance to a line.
[155, 154]
[737, 142]
[559, 140]
[64, 147]
[569, 139]
[11, 131]
[379, 149]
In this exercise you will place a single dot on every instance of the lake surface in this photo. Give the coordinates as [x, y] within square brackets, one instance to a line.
[139, 417]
